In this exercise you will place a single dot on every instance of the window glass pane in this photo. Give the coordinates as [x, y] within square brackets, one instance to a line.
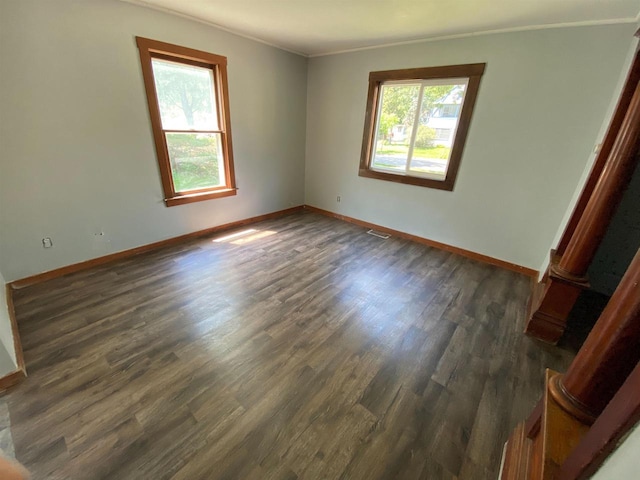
[439, 116]
[196, 160]
[396, 116]
[185, 96]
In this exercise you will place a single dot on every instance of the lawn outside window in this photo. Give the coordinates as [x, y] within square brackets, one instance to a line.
[188, 100]
[416, 123]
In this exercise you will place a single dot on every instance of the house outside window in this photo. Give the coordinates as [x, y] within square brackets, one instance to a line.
[443, 135]
[450, 109]
[416, 124]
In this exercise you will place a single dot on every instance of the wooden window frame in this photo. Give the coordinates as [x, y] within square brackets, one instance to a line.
[471, 71]
[150, 49]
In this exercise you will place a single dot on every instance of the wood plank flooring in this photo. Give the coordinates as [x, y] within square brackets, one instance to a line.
[301, 349]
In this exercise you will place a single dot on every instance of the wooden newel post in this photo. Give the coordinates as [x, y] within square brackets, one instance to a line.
[557, 429]
[605, 198]
[608, 355]
[538, 447]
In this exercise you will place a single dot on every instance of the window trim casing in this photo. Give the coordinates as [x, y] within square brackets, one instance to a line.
[149, 49]
[471, 71]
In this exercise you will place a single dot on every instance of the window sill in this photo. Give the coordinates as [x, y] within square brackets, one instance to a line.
[199, 197]
[446, 184]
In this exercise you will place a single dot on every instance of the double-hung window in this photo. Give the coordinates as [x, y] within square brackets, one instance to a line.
[416, 123]
[188, 102]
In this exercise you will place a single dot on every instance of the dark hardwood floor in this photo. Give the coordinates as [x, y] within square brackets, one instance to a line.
[304, 349]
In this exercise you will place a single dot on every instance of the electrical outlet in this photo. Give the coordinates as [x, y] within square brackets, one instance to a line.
[338, 199]
[47, 243]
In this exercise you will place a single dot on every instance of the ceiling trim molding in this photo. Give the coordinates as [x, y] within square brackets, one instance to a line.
[615, 21]
[141, 3]
[590, 23]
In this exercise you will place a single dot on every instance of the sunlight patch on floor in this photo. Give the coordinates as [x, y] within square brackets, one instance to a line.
[245, 236]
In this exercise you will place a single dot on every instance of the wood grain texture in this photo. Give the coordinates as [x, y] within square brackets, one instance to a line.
[610, 352]
[15, 377]
[431, 243]
[538, 447]
[561, 432]
[517, 455]
[300, 348]
[11, 379]
[620, 415]
[550, 309]
[15, 331]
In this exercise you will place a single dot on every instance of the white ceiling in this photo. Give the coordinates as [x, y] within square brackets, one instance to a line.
[317, 27]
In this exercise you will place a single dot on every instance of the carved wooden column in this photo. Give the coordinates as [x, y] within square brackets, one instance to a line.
[567, 275]
[620, 415]
[608, 355]
[538, 448]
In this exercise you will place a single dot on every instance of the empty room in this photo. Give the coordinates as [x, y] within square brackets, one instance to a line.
[319, 239]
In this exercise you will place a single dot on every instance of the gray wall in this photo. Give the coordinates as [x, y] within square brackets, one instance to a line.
[540, 107]
[77, 147]
[6, 334]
